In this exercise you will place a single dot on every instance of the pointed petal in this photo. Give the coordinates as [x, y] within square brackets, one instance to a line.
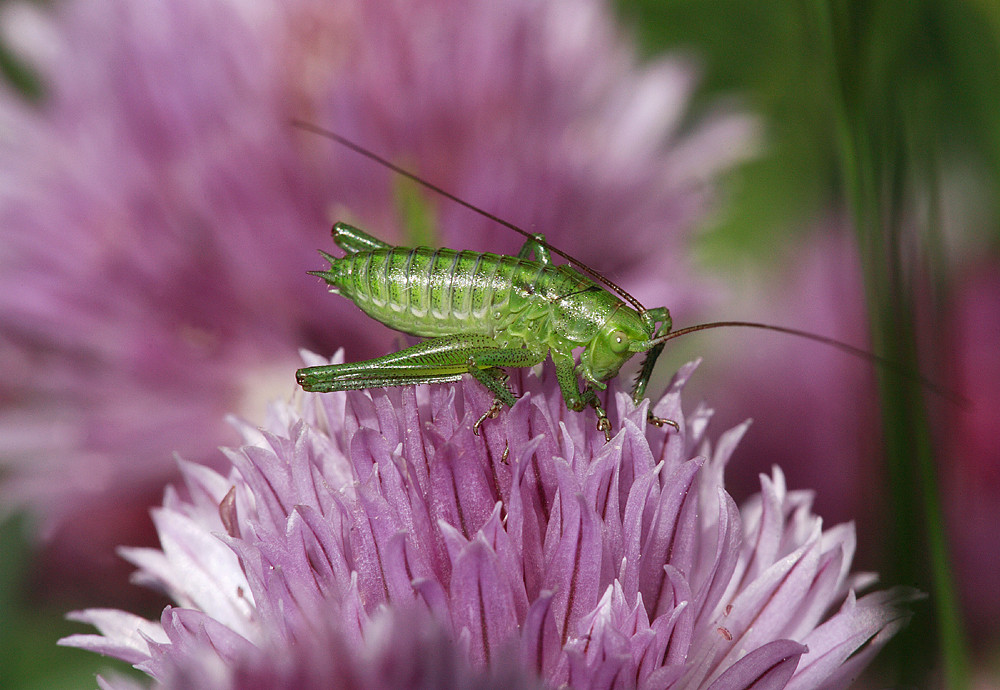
[540, 644]
[766, 668]
[481, 602]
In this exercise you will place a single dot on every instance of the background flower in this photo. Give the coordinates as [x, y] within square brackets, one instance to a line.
[923, 104]
[971, 459]
[876, 112]
[816, 398]
[158, 210]
[588, 564]
[801, 394]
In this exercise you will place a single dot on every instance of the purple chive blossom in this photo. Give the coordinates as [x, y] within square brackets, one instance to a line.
[158, 211]
[358, 535]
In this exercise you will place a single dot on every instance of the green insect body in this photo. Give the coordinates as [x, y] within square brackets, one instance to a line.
[482, 312]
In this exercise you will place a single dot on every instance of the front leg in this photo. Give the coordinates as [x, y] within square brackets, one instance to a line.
[574, 399]
[662, 316]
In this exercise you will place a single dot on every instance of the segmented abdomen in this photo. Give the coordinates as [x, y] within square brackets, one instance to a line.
[429, 292]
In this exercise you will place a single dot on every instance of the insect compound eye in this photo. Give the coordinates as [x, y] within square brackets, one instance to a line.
[619, 341]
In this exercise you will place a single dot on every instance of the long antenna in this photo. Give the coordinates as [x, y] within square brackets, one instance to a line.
[357, 148]
[945, 393]
[844, 347]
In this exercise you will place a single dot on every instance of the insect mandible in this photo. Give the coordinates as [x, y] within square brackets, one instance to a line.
[481, 313]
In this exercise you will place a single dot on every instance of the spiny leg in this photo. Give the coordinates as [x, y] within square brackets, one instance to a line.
[662, 316]
[437, 360]
[603, 423]
[574, 399]
[430, 361]
[495, 379]
[498, 402]
[485, 368]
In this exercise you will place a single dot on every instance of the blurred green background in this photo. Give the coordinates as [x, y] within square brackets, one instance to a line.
[868, 106]
[865, 107]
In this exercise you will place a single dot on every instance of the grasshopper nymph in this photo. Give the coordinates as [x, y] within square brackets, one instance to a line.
[482, 312]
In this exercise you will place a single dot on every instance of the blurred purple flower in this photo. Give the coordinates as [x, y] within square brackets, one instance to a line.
[158, 211]
[353, 518]
[970, 457]
[816, 412]
[802, 394]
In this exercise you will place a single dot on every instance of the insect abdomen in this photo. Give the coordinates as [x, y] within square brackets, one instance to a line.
[429, 292]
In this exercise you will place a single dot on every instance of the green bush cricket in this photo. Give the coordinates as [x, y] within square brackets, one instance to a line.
[484, 312]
